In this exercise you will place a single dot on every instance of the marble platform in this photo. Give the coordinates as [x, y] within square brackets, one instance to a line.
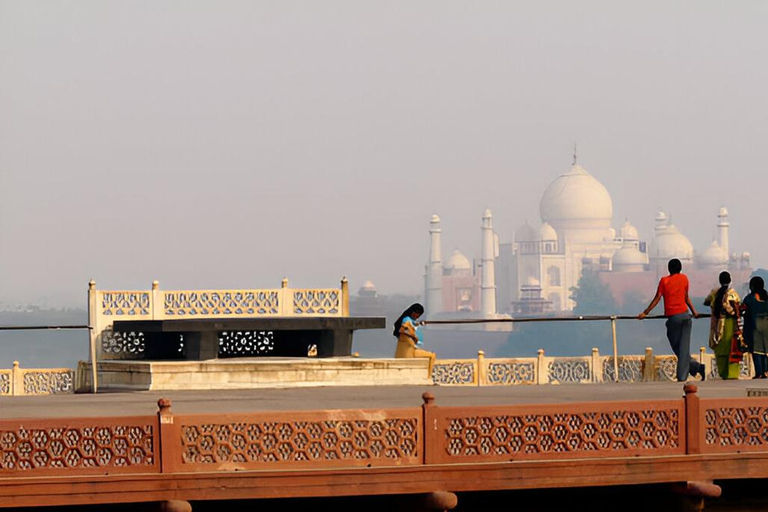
[247, 373]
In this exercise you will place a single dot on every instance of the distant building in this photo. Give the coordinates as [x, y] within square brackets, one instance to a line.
[534, 273]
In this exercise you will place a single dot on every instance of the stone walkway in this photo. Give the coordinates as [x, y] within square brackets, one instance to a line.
[361, 397]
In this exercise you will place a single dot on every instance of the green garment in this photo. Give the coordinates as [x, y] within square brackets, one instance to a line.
[726, 369]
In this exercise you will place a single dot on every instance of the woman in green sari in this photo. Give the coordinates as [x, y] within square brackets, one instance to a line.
[724, 302]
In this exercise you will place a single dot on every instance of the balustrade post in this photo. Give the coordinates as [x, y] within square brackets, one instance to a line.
[93, 334]
[168, 437]
[431, 439]
[286, 299]
[17, 380]
[692, 419]
[541, 370]
[615, 351]
[482, 373]
[597, 368]
[648, 369]
[158, 304]
[344, 297]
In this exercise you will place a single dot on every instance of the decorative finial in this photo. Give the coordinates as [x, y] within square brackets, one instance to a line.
[574, 153]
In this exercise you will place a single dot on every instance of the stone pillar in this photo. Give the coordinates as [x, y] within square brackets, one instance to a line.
[434, 278]
[488, 286]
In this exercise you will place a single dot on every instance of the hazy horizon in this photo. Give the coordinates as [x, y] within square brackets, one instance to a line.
[230, 144]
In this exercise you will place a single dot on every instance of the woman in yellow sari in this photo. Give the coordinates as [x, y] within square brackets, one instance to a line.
[408, 336]
[724, 302]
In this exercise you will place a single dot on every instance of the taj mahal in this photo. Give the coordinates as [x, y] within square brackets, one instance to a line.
[534, 273]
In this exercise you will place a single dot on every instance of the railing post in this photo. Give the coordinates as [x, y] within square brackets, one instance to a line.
[648, 366]
[430, 437]
[158, 304]
[482, 374]
[692, 420]
[597, 368]
[93, 335]
[541, 370]
[168, 436]
[344, 297]
[17, 380]
[615, 350]
[286, 299]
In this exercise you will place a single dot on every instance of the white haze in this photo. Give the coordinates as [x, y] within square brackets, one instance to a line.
[229, 144]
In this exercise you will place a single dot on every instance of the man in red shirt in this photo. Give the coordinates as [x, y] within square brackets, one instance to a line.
[674, 289]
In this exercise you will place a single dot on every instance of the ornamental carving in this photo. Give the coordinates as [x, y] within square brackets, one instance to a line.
[5, 383]
[268, 442]
[511, 373]
[221, 303]
[316, 302]
[46, 382]
[129, 344]
[736, 426]
[125, 303]
[568, 370]
[121, 446]
[630, 369]
[666, 368]
[533, 434]
[455, 373]
[246, 343]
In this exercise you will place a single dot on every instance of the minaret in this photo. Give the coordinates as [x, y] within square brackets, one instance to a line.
[722, 227]
[434, 295]
[488, 285]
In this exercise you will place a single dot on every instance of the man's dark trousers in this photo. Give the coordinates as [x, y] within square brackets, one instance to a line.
[679, 336]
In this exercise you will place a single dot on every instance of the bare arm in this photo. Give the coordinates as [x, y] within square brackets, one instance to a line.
[652, 305]
[690, 306]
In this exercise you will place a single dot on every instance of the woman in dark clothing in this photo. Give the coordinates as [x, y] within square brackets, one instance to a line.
[756, 325]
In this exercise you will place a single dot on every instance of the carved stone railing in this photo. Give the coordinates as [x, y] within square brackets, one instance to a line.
[107, 306]
[568, 370]
[36, 381]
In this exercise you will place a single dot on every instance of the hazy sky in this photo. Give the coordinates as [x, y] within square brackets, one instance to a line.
[229, 144]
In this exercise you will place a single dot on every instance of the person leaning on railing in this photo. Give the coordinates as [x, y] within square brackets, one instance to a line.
[674, 289]
[408, 339]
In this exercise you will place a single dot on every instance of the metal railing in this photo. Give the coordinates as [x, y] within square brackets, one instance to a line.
[580, 318]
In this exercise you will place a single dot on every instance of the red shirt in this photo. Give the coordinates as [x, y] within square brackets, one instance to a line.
[674, 289]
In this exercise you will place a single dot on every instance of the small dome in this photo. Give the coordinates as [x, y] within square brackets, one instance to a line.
[629, 232]
[458, 261]
[574, 198]
[670, 243]
[532, 281]
[368, 286]
[628, 258]
[435, 218]
[547, 233]
[722, 212]
[745, 254]
[487, 214]
[525, 233]
[712, 255]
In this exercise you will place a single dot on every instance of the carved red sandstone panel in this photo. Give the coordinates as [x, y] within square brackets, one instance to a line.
[557, 431]
[78, 446]
[301, 439]
[734, 425]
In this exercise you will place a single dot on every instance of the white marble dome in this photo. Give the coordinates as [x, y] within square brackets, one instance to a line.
[629, 259]
[368, 286]
[547, 233]
[576, 200]
[712, 256]
[629, 232]
[671, 243]
[457, 261]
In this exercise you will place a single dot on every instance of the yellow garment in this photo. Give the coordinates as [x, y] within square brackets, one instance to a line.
[721, 332]
[406, 347]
